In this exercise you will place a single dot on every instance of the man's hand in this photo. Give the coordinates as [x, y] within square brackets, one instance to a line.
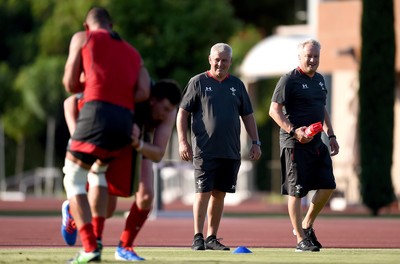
[255, 152]
[185, 151]
[334, 146]
[135, 136]
[301, 135]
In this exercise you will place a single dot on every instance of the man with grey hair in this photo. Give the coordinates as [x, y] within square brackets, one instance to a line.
[216, 101]
[299, 101]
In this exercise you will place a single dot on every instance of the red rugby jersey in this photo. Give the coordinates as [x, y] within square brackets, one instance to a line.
[111, 68]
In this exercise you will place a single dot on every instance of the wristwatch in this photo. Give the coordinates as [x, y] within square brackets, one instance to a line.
[256, 142]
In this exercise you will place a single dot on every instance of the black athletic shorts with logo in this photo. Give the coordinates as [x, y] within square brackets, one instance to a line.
[306, 169]
[102, 130]
[217, 173]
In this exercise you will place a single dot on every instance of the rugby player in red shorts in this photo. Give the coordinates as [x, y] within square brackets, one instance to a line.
[155, 118]
[114, 76]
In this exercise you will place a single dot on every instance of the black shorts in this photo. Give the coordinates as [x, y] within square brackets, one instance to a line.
[218, 174]
[306, 169]
[102, 130]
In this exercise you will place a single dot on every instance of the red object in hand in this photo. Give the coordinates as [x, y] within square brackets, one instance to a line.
[313, 129]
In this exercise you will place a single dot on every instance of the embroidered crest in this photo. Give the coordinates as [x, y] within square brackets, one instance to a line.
[233, 90]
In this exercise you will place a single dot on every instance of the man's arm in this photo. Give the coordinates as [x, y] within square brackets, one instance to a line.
[276, 113]
[185, 150]
[251, 128]
[327, 124]
[162, 134]
[331, 134]
[71, 113]
[142, 89]
[73, 66]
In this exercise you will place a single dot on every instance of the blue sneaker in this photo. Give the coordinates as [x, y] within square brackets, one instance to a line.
[126, 254]
[68, 227]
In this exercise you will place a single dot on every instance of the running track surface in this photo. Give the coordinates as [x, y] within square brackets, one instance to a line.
[173, 227]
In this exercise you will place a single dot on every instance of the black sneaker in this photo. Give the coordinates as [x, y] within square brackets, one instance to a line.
[306, 245]
[214, 244]
[309, 232]
[198, 243]
[99, 245]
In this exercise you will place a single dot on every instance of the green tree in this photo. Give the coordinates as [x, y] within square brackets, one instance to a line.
[40, 92]
[376, 96]
[267, 15]
[60, 20]
[174, 36]
[40, 86]
[16, 48]
[17, 45]
[6, 80]
[242, 42]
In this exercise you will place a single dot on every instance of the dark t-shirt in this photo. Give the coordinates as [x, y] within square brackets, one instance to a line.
[303, 99]
[216, 108]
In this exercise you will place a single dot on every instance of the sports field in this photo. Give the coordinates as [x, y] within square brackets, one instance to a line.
[29, 237]
[178, 255]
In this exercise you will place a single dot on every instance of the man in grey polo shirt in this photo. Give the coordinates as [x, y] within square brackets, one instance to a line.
[216, 101]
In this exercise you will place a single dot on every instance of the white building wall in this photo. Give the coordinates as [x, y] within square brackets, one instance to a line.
[344, 116]
[396, 146]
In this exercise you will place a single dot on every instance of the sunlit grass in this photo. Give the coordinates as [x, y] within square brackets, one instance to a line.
[184, 255]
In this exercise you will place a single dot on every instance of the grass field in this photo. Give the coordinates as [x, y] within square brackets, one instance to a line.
[185, 255]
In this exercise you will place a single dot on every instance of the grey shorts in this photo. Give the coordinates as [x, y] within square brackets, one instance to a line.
[219, 174]
[306, 169]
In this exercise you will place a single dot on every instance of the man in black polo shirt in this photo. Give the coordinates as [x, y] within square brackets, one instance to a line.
[299, 101]
[216, 101]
